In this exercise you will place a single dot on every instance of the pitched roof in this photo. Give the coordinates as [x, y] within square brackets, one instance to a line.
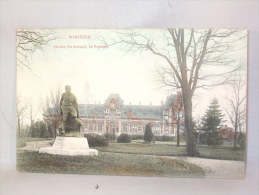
[92, 110]
[127, 111]
[142, 111]
[169, 101]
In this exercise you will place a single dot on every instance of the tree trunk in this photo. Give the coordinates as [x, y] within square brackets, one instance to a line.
[178, 135]
[190, 144]
[235, 134]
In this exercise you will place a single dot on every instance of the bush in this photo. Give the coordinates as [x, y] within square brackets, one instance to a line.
[203, 138]
[96, 140]
[241, 140]
[35, 131]
[148, 135]
[213, 139]
[157, 138]
[111, 137]
[124, 138]
[164, 138]
[39, 129]
[44, 130]
[134, 137]
[52, 130]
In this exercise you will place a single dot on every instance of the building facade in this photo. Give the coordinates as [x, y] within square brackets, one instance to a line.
[227, 134]
[115, 117]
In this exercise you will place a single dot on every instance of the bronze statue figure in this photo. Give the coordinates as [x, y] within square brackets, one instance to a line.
[70, 112]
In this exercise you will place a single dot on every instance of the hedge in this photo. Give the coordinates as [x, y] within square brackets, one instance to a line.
[124, 138]
[96, 140]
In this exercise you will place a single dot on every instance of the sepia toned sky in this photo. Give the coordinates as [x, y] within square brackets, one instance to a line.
[94, 73]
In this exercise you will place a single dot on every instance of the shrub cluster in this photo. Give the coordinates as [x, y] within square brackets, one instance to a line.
[51, 130]
[111, 137]
[124, 138]
[241, 140]
[214, 139]
[134, 137]
[96, 140]
[164, 138]
[40, 129]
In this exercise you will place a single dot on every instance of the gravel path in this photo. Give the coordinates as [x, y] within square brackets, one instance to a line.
[213, 168]
[36, 145]
[217, 168]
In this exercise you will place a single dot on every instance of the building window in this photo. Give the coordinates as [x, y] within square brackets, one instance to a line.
[166, 130]
[112, 127]
[125, 128]
[91, 127]
[100, 127]
[143, 128]
[157, 129]
[140, 128]
[172, 130]
[135, 128]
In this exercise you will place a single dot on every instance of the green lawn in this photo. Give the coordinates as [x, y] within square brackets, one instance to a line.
[168, 149]
[159, 142]
[106, 164]
[222, 152]
[142, 148]
[125, 159]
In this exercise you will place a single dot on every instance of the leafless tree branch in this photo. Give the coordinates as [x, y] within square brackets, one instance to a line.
[28, 41]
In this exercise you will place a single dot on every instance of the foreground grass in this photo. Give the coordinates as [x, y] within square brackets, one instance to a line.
[221, 152]
[106, 164]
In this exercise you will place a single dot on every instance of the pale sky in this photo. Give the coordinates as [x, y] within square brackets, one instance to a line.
[95, 73]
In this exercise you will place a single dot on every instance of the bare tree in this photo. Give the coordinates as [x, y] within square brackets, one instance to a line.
[236, 111]
[20, 113]
[33, 110]
[28, 41]
[51, 107]
[193, 57]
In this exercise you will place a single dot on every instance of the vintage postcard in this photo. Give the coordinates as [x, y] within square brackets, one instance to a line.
[132, 102]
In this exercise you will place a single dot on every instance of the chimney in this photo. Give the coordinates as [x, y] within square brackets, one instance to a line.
[150, 103]
[139, 103]
[129, 103]
[162, 102]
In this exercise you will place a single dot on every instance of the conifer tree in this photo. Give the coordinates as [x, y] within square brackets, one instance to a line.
[148, 135]
[211, 123]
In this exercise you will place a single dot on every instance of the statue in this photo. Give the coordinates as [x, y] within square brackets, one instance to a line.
[69, 144]
[70, 112]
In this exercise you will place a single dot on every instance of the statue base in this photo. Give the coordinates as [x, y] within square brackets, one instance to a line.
[70, 146]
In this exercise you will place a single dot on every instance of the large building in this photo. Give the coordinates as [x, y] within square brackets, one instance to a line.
[116, 117]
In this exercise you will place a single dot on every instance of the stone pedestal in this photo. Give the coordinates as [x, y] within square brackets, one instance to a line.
[70, 146]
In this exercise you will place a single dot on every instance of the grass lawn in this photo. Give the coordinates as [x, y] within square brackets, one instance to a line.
[142, 148]
[167, 149]
[106, 163]
[158, 142]
[222, 152]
